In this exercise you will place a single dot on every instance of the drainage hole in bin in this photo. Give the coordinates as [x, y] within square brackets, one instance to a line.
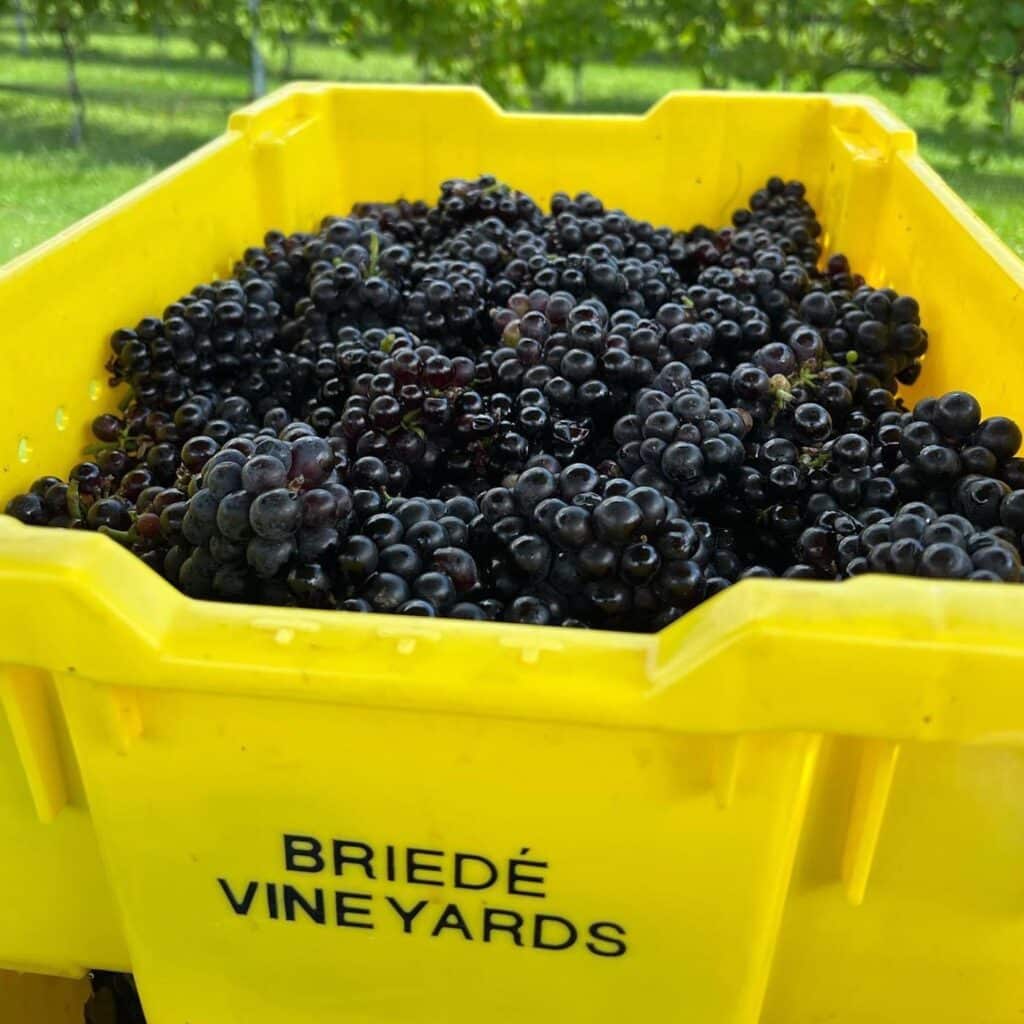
[60, 418]
[24, 449]
[95, 390]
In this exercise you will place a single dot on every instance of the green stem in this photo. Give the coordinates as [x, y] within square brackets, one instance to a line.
[74, 502]
[371, 269]
[125, 537]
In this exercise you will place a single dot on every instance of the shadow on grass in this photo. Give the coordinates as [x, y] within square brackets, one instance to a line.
[91, 54]
[163, 100]
[982, 185]
[972, 144]
[106, 144]
[963, 156]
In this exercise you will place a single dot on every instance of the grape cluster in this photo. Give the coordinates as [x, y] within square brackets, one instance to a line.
[477, 410]
[918, 541]
[220, 338]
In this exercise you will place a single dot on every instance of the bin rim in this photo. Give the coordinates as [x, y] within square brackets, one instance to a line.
[880, 656]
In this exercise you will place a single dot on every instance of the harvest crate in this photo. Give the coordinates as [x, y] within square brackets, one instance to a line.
[801, 802]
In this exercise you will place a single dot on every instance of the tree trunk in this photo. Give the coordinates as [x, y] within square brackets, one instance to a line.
[21, 23]
[77, 132]
[257, 67]
[577, 82]
[288, 42]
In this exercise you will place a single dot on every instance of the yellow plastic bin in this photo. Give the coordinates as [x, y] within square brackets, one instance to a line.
[802, 802]
[59, 915]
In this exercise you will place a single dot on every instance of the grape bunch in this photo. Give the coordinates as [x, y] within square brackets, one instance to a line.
[475, 409]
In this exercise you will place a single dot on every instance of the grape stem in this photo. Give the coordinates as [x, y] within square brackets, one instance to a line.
[125, 537]
[74, 502]
[371, 268]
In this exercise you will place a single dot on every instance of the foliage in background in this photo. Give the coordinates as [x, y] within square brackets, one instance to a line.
[985, 48]
[513, 48]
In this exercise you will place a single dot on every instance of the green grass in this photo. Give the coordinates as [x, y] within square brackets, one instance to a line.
[150, 103]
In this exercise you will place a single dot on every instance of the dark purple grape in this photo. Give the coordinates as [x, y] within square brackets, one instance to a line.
[29, 509]
[275, 515]
[386, 591]
[459, 565]
[263, 473]
[266, 557]
[357, 558]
